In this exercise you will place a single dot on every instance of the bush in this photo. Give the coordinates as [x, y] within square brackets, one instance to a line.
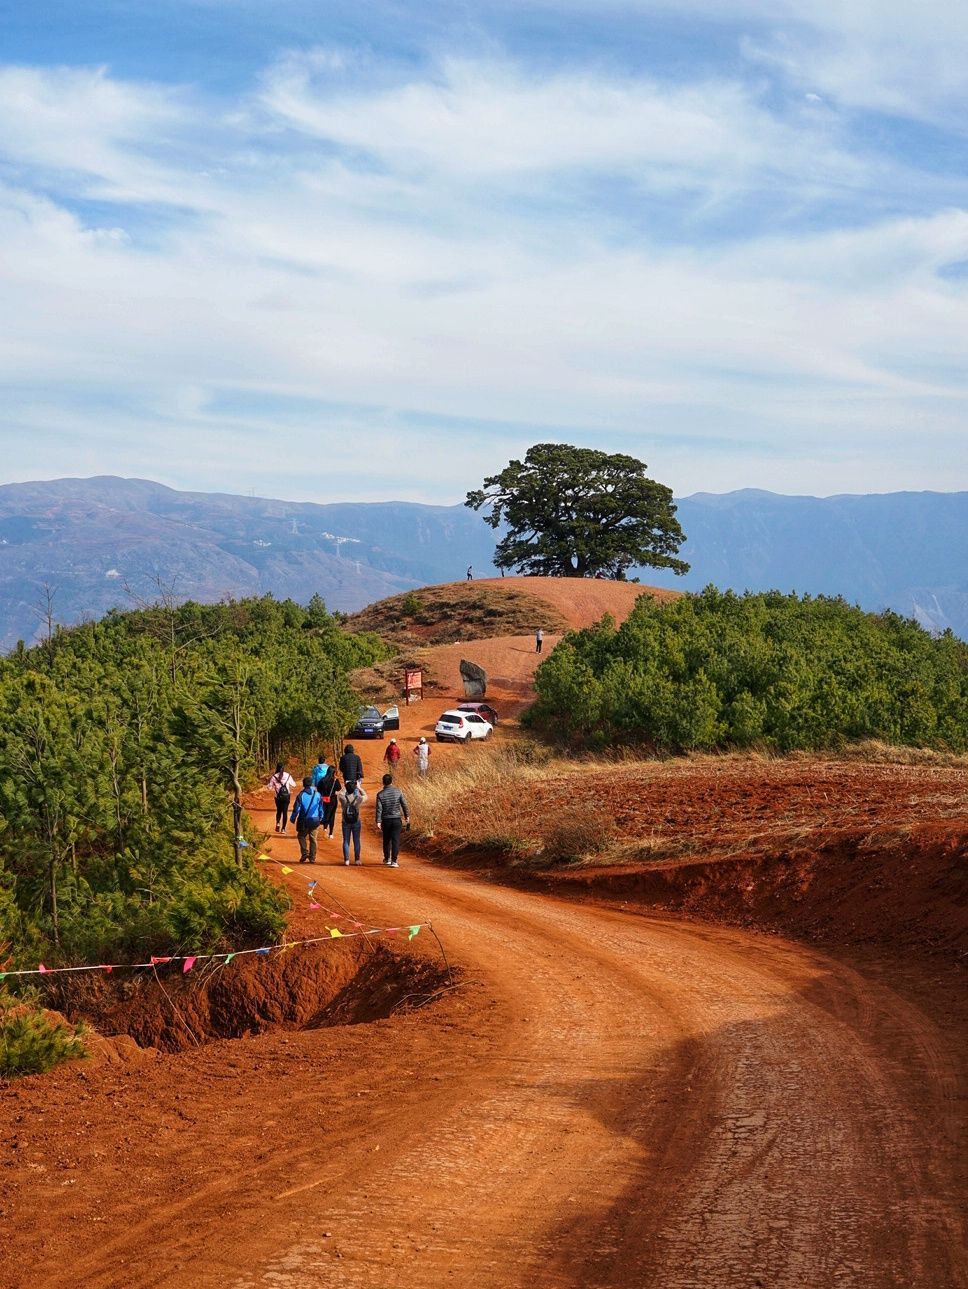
[720, 670]
[33, 1042]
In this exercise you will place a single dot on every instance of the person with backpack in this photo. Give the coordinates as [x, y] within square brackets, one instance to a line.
[280, 785]
[307, 815]
[352, 799]
[328, 789]
[392, 813]
[392, 755]
[350, 765]
[319, 770]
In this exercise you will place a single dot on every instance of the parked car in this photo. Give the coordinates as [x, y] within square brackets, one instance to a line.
[391, 718]
[482, 709]
[369, 724]
[461, 727]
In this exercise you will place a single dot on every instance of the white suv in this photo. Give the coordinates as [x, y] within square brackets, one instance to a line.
[461, 727]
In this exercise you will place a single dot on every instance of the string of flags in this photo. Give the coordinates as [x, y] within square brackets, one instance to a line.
[189, 960]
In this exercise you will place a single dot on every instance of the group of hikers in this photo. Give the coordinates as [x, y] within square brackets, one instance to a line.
[323, 795]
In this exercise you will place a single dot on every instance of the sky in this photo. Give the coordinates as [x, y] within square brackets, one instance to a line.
[329, 251]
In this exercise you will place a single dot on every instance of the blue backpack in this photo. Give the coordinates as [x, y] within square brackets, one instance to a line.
[311, 812]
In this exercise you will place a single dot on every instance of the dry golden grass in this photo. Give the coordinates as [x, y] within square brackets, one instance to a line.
[519, 801]
[435, 615]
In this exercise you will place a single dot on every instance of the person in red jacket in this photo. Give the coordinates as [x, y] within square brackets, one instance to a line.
[392, 755]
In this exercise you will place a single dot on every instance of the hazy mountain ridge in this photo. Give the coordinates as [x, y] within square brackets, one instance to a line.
[90, 539]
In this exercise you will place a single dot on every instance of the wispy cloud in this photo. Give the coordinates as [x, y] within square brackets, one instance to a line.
[717, 270]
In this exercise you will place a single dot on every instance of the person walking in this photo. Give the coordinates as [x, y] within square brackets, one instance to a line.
[352, 800]
[538, 640]
[328, 789]
[422, 753]
[470, 572]
[307, 815]
[392, 813]
[350, 765]
[281, 785]
[320, 770]
[392, 755]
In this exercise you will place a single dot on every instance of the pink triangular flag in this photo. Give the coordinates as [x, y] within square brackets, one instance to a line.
[43, 970]
[187, 965]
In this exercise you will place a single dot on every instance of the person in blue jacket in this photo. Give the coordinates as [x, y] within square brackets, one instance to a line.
[320, 770]
[307, 815]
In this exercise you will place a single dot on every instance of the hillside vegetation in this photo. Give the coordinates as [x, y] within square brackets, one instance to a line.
[717, 669]
[123, 745]
[456, 611]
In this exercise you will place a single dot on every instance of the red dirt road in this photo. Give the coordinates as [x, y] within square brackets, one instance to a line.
[610, 1100]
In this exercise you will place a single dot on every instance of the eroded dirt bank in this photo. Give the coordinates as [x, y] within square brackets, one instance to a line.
[611, 1100]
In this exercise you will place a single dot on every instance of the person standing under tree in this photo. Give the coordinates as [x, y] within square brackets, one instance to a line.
[538, 640]
[422, 753]
[307, 815]
[351, 800]
[280, 786]
[392, 813]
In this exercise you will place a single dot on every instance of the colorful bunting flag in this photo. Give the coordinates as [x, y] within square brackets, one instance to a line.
[286, 869]
[314, 905]
[188, 961]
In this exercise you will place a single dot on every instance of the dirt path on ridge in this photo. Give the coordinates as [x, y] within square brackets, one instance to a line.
[610, 1101]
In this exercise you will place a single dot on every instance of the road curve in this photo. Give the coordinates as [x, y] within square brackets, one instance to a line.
[660, 1103]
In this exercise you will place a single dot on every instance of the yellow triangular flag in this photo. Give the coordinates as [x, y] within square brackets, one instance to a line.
[285, 869]
[335, 932]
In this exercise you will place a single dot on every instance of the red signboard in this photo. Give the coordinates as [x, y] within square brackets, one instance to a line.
[413, 686]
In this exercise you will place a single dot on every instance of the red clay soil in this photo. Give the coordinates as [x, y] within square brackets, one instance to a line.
[609, 1099]
[840, 851]
[583, 600]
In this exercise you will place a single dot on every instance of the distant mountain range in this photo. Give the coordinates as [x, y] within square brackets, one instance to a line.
[106, 542]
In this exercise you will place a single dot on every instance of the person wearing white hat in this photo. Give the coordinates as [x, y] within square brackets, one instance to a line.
[392, 755]
[422, 753]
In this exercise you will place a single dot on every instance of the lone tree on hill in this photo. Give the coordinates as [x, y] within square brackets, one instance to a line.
[575, 512]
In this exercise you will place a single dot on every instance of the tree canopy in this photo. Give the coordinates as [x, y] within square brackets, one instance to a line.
[776, 671]
[577, 512]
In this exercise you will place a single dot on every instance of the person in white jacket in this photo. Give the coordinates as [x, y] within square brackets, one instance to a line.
[422, 753]
[281, 785]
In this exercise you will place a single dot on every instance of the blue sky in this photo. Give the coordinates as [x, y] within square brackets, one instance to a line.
[330, 251]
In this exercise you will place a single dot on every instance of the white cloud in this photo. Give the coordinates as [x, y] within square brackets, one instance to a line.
[447, 259]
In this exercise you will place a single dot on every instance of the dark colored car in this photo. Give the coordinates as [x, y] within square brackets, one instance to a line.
[369, 725]
[482, 709]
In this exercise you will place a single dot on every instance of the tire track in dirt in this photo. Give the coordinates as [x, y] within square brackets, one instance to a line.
[670, 1105]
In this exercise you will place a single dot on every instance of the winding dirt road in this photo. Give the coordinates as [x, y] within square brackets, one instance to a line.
[608, 1100]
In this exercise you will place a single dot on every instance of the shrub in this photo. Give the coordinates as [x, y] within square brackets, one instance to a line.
[779, 671]
[33, 1042]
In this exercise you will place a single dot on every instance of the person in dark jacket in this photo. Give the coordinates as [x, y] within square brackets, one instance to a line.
[392, 813]
[350, 765]
[328, 790]
[307, 815]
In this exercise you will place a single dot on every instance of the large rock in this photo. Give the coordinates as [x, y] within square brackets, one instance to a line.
[474, 678]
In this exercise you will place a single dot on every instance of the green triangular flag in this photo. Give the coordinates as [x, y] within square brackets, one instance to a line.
[414, 930]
